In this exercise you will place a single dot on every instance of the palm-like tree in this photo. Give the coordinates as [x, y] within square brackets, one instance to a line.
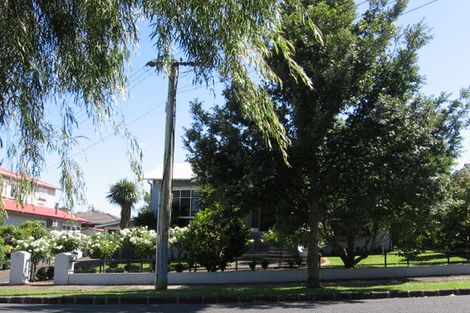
[125, 194]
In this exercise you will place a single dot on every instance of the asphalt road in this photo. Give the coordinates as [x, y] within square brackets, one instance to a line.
[454, 304]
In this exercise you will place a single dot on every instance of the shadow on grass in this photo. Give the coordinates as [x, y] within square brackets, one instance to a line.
[208, 291]
[180, 308]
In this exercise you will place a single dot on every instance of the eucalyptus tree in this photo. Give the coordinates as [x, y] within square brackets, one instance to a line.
[69, 57]
[125, 194]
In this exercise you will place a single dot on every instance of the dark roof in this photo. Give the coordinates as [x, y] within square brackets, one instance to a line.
[116, 223]
[99, 217]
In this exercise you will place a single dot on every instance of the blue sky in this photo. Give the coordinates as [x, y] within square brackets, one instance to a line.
[444, 62]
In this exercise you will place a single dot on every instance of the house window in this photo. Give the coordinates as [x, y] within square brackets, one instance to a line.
[14, 190]
[4, 189]
[185, 203]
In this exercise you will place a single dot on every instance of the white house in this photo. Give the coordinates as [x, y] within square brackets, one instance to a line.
[40, 205]
[186, 193]
[187, 196]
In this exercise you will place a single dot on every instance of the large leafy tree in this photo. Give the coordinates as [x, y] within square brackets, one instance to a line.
[125, 194]
[390, 167]
[451, 227]
[365, 66]
[69, 57]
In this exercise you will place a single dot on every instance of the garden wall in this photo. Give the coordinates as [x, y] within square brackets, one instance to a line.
[255, 277]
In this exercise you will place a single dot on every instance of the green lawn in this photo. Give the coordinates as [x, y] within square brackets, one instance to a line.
[52, 291]
[393, 259]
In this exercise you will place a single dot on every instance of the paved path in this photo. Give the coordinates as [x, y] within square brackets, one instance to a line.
[454, 304]
[4, 276]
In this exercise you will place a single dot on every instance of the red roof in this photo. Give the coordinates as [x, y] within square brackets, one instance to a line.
[12, 206]
[8, 173]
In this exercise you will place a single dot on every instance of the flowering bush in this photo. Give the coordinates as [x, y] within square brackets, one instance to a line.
[68, 241]
[176, 239]
[141, 240]
[102, 246]
[41, 250]
[176, 235]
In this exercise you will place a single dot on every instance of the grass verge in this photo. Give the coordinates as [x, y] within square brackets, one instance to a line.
[54, 291]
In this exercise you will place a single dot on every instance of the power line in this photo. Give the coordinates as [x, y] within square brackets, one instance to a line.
[417, 8]
[149, 73]
[134, 77]
[361, 3]
[406, 12]
[127, 124]
[141, 80]
[113, 134]
[135, 73]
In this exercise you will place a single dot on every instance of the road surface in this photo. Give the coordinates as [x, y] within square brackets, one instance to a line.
[453, 304]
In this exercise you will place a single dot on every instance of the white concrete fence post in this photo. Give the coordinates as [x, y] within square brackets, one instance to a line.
[63, 266]
[20, 268]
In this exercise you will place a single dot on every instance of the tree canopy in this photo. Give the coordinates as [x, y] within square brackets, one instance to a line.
[125, 194]
[360, 138]
[69, 57]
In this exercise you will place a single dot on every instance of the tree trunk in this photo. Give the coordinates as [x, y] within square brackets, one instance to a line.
[125, 217]
[313, 258]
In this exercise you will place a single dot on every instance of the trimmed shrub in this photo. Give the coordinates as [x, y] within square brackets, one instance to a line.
[252, 265]
[264, 264]
[179, 267]
[132, 268]
[216, 236]
[45, 273]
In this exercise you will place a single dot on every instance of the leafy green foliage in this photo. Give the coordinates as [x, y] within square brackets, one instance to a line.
[177, 239]
[63, 57]
[68, 241]
[281, 239]
[8, 233]
[367, 149]
[145, 217]
[28, 232]
[125, 194]
[41, 250]
[103, 246]
[216, 236]
[34, 229]
[70, 58]
[451, 227]
[3, 252]
[45, 273]
[140, 240]
[391, 165]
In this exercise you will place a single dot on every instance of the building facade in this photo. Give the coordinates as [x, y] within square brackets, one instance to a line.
[186, 193]
[40, 205]
[187, 197]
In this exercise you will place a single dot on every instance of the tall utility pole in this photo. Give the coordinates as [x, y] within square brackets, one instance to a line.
[164, 212]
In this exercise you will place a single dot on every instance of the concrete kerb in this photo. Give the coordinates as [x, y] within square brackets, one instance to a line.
[235, 299]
